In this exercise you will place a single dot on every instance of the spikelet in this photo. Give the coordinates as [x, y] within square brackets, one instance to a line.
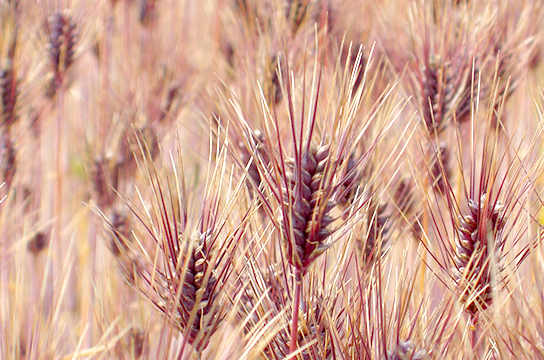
[433, 103]
[147, 12]
[377, 224]
[120, 233]
[138, 340]
[357, 66]
[295, 12]
[302, 13]
[404, 196]
[440, 168]
[310, 209]
[38, 243]
[479, 236]
[254, 177]
[9, 93]
[351, 181]
[445, 94]
[192, 286]
[197, 290]
[168, 109]
[439, 69]
[127, 155]
[275, 94]
[101, 183]
[62, 44]
[8, 159]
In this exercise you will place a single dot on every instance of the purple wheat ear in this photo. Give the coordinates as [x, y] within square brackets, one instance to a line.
[479, 236]
[307, 169]
[62, 45]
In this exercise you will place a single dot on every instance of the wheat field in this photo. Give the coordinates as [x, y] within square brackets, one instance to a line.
[243, 179]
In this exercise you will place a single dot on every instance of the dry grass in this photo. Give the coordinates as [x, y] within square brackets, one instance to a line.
[230, 179]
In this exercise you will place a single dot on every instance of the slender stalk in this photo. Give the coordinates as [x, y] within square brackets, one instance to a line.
[58, 158]
[294, 315]
[57, 202]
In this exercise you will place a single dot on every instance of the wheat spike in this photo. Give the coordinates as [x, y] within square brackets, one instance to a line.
[9, 93]
[62, 44]
[479, 235]
[310, 208]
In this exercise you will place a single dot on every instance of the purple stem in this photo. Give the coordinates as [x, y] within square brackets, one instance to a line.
[294, 315]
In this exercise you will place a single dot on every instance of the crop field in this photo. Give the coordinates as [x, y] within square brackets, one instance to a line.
[275, 179]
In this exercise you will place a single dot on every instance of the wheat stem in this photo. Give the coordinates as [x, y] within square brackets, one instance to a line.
[295, 310]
